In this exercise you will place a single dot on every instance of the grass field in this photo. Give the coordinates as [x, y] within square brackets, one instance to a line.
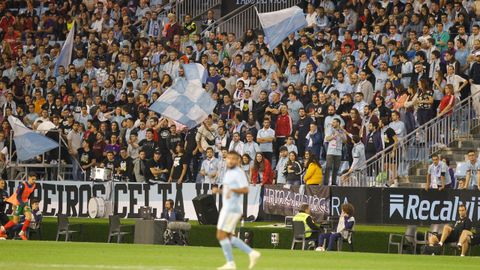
[61, 255]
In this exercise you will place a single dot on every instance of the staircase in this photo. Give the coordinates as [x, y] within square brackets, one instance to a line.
[450, 136]
[245, 17]
[455, 152]
[195, 8]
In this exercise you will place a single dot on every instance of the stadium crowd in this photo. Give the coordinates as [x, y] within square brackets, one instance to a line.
[361, 76]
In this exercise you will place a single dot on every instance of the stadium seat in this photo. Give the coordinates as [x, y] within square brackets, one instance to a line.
[348, 240]
[37, 231]
[401, 241]
[64, 228]
[299, 234]
[116, 229]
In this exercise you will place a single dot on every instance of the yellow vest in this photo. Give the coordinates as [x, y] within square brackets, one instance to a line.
[303, 218]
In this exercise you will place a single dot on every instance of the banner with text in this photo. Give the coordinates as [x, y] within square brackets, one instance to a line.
[417, 206]
[285, 200]
[71, 197]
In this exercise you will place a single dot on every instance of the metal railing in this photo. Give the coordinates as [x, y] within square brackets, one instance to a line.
[194, 8]
[245, 17]
[412, 151]
[54, 170]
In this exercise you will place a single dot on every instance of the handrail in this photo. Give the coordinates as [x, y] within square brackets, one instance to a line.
[12, 165]
[245, 17]
[416, 147]
[194, 8]
[227, 17]
[77, 162]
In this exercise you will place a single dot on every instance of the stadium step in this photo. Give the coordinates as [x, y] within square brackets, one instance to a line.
[455, 152]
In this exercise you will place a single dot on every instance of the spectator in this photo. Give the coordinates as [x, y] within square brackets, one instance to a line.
[265, 138]
[283, 128]
[247, 164]
[313, 174]
[281, 165]
[327, 241]
[359, 162]
[156, 168]
[262, 172]
[209, 170]
[179, 169]
[472, 179]
[293, 170]
[313, 140]
[336, 137]
[140, 169]
[448, 101]
[236, 144]
[437, 175]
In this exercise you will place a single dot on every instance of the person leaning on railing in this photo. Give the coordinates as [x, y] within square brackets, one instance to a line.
[447, 102]
[472, 179]
[438, 176]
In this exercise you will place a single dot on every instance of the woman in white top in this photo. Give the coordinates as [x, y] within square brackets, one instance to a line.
[458, 82]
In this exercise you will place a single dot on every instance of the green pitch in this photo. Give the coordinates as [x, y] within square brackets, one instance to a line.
[60, 255]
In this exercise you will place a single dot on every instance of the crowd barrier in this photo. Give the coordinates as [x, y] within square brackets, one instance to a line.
[372, 205]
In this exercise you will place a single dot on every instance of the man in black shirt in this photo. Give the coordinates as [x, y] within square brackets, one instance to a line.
[389, 137]
[192, 155]
[3, 205]
[109, 162]
[274, 109]
[156, 169]
[124, 165]
[260, 106]
[86, 158]
[148, 144]
[301, 130]
[451, 232]
[179, 168]
[221, 90]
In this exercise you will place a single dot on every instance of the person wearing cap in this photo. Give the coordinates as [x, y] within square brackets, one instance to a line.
[156, 168]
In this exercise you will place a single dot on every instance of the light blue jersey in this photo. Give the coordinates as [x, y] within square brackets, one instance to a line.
[234, 178]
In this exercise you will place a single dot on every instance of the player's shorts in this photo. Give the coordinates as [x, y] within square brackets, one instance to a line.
[20, 210]
[475, 240]
[228, 221]
[453, 237]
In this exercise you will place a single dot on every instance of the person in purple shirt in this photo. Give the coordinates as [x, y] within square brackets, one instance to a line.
[113, 146]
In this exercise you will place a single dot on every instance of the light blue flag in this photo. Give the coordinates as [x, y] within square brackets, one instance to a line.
[65, 57]
[186, 102]
[277, 25]
[28, 143]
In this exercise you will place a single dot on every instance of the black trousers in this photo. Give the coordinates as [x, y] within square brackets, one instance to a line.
[4, 219]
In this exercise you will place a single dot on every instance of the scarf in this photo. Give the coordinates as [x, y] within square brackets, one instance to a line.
[250, 104]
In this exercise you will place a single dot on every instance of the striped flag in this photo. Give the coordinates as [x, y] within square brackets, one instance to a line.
[186, 101]
[28, 143]
[65, 57]
[277, 25]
